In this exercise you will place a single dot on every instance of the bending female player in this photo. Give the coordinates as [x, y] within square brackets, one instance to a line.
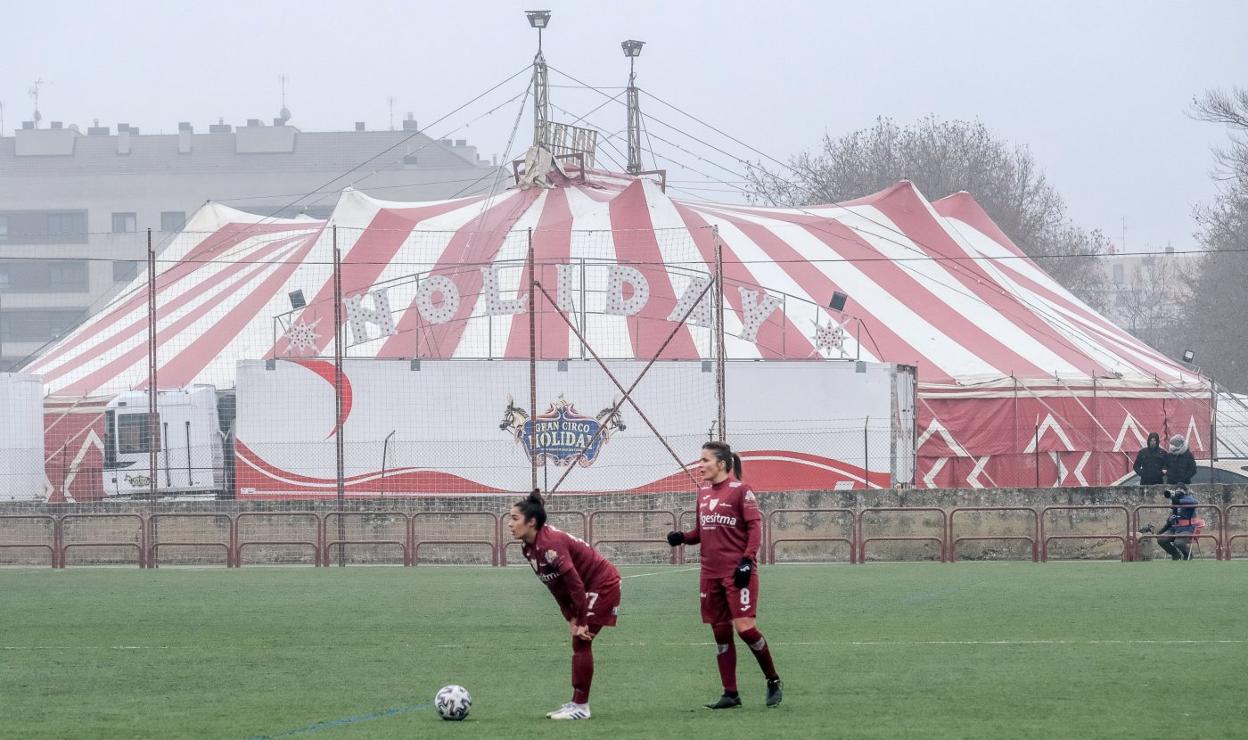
[729, 528]
[585, 584]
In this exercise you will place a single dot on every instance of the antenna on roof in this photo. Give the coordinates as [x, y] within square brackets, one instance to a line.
[284, 113]
[34, 95]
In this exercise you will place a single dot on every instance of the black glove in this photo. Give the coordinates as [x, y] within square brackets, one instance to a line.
[675, 538]
[741, 576]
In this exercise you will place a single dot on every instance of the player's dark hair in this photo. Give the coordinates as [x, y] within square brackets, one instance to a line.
[724, 453]
[533, 508]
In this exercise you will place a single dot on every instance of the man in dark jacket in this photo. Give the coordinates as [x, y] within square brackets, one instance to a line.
[1181, 525]
[1181, 465]
[1151, 461]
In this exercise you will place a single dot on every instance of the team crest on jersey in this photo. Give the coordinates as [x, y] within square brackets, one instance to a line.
[712, 504]
[560, 433]
[551, 556]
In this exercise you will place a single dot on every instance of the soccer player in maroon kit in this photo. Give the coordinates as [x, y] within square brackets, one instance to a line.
[729, 528]
[584, 583]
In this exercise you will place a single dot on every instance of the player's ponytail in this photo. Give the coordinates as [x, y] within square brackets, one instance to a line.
[724, 454]
[533, 508]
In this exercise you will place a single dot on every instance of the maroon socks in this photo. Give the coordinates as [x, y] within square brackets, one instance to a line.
[726, 656]
[758, 645]
[582, 669]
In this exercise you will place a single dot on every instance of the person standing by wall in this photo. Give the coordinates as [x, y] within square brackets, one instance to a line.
[1181, 464]
[1150, 462]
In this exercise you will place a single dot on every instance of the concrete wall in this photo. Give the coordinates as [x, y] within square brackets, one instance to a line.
[643, 519]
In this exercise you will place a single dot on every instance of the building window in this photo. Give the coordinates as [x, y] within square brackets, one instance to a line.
[67, 276]
[43, 227]
[125, 223]
[134, 434]
[172, 220]
[67, 226]
[37, 325]
[125, 270]
[44, 276]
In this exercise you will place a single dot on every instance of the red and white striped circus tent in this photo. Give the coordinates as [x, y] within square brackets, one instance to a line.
[1020, 382]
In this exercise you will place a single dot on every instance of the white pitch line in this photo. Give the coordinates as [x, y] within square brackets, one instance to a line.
[661, 572]
[84, 647]
[779, 643]
[902, 643]
[907, 643]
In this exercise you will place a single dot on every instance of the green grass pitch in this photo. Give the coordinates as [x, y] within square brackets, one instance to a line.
[1003, 650]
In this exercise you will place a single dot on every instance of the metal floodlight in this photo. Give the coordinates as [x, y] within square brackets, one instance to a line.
[838, 301]
[1188, 355]
[538, 19]
[632, 47]
[296, 299]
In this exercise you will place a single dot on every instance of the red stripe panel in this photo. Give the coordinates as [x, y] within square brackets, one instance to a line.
[964, 208]
[139, 325]
[636, 244]
[219, 241]
[364, 262]
[476, 243]
[908, 291]
[188, 363]
[773, 341]
[552, 245]
[905, 209]
[244, 273]
[818, 285]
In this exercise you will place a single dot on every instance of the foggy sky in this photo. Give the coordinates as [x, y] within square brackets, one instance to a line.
[1097, 90]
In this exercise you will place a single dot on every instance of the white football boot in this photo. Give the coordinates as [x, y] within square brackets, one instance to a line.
[572, 711]
[553, 712]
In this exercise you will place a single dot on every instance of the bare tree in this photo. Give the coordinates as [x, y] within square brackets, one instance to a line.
[1215, 321]
[941, 158]
[1150, 302]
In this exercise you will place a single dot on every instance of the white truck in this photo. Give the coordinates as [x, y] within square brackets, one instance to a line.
[189, 442]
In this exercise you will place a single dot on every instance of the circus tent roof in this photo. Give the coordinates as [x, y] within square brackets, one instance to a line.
[936, 285]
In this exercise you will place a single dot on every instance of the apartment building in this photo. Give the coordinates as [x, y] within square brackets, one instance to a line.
[75, 205]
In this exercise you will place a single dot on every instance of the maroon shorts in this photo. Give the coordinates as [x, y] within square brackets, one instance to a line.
[602, 607]
[724, 602]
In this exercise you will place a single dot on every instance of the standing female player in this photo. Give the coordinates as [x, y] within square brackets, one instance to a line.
[729, 527]
[585, 584]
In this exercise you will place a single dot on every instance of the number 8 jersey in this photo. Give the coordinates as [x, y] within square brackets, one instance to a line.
[729, 526]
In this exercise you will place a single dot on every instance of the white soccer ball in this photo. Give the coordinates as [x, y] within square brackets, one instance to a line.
[452, 702]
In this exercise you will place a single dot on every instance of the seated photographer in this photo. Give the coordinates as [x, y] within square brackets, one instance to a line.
[1182, 521]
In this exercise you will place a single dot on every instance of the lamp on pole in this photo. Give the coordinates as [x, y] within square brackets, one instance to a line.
[632, 50]
[539, 19]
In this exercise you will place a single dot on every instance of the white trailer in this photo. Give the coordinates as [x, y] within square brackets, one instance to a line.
[22, 472]
[189, 444]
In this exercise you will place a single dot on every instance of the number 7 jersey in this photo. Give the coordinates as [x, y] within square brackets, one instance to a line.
[571, 569]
